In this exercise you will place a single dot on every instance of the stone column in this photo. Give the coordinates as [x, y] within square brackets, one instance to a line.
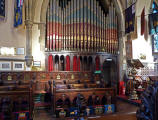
[28, 57]
[29, 24]
[42, 28]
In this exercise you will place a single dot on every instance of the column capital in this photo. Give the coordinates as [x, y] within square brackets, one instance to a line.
[28, 60]
[28, 23]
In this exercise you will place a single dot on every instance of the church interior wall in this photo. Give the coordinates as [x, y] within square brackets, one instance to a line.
[10, 36]
[16, 37]
[143, 44]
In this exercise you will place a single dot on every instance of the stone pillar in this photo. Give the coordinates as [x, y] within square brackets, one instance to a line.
[29, 24]
[28, 57]
[42, 28]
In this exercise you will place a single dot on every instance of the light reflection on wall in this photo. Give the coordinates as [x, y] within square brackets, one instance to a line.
[141, 46]
[7, 51]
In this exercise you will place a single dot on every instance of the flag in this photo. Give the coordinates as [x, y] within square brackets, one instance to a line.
[129, 19]
[143, 21]
[146, 33]
[134, 35]
[18, 12]
[2, 8]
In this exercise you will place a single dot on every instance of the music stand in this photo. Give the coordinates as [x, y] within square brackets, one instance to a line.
[135, 63]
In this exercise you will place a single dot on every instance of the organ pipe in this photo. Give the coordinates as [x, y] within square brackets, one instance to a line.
[81, 25]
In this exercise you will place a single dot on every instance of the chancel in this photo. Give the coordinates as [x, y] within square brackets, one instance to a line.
[78, 59]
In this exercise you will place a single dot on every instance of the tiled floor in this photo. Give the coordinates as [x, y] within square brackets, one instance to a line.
[125, 111]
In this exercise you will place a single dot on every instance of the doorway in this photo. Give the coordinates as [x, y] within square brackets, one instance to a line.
[109, 72]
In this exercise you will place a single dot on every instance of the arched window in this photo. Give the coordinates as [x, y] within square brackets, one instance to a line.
[67, 63]
[50, 63]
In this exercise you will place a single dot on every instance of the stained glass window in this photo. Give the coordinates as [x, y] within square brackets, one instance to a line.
[2, 8]
[155, 36]
[155, 43]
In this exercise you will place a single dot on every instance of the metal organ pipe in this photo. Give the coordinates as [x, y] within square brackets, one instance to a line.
[66, 28]
[107, 32]
[74, 24]
[95, 24]
[89, 26]
[50, 26]
[71, 25]
[57, 26]
[81, 22]
[58, 31]
[111, 28]
[97, 33]
[101, 38]
[100, 29]
[92, 25]
[110, 21]
[104, 34]
[116, 36]
[84, 25]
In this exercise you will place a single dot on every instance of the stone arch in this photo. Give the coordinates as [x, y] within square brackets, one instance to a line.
[62, 63]
[67, 63]
[56, 65]
[39, 11]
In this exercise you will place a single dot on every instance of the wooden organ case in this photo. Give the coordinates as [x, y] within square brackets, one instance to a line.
[81, 50]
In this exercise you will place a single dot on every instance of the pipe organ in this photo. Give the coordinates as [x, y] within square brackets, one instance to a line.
[81, 25]
[81, 37]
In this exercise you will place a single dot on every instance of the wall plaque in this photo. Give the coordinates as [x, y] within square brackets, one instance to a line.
[20, 51]
[5, 66]
[18, 65]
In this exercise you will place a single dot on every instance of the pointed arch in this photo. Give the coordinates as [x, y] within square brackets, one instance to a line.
[97, 63]
[56, 67]
[50, 63]
[62, 63]
[75, 63]
[67, 63]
